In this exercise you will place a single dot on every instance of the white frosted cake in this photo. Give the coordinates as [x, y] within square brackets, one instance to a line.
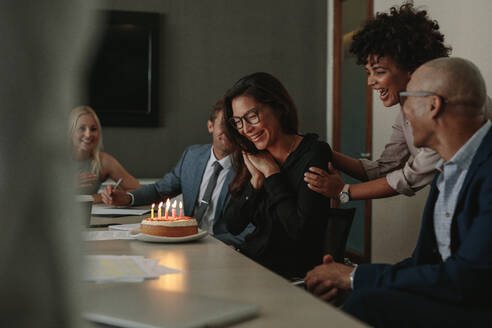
[172, 227]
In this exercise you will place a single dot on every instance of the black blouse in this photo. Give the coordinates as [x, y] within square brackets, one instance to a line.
[289, 217]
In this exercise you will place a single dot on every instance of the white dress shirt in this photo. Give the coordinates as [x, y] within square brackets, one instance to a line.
[227, 166]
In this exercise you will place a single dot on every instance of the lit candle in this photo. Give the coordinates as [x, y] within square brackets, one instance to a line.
[152, 211]
[160, 210]
[168, 204]
[174, 208]
[180, 208]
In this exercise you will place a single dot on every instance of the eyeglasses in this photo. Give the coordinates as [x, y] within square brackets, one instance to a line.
[403, 95]
[251, 117]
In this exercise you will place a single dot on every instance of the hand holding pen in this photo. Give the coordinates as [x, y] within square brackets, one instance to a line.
[114, 196]
[117, 184]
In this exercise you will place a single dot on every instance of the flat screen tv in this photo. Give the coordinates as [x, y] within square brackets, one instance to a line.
[123, 80]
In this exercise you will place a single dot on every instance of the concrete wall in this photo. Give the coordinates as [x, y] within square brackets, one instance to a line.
[466, 26]
[205, 47]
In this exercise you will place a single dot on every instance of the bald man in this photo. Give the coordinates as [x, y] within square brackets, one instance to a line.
[448, 280]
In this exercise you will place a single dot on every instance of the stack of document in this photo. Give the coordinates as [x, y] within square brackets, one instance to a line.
[114, 268]
[125, 227]
[106, 235]
[118, 231]
[117, 211]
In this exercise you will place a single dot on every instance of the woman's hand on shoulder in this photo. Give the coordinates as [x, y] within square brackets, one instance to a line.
[264, 162]
[257, 177]
[328, 183]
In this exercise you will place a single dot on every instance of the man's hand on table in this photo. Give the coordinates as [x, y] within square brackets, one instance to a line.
[329, 281]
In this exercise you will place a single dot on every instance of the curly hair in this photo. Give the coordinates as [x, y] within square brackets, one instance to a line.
[406, 35]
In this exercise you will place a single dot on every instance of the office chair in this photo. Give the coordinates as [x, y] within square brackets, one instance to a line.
[337, 231]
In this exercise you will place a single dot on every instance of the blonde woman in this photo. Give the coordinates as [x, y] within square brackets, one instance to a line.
[94, 165]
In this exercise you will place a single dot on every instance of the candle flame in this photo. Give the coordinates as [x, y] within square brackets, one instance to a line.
[174, 203]
[153, 205]
[168, 203]
[160, 204]
[180, 204]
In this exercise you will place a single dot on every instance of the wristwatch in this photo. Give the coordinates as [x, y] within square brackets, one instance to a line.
[344, 196]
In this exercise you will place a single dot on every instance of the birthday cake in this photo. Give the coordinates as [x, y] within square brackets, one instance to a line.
[179, 226]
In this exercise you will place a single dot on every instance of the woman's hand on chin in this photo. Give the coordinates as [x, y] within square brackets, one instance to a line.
[256, 176]
[264, 162]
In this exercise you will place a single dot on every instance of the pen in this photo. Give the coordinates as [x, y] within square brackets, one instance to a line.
[298, 282]
[117, 183]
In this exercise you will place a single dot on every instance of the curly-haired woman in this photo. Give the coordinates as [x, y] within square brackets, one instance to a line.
[390, 46]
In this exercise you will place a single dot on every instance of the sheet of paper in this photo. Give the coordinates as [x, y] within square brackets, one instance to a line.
[113, 268]
[124, 227]
[106, 235]
[112, 211]
[84, 198]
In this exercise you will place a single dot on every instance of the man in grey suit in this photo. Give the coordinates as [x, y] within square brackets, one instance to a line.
[198, 167]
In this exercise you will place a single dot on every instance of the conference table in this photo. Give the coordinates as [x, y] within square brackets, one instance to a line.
[213, 269]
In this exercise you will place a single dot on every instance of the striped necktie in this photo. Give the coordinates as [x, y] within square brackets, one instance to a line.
[207, 196]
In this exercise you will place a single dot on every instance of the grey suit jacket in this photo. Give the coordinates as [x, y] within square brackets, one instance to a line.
[186, 178]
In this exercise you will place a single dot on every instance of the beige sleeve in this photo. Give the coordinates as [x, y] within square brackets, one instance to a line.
[403, 175]
[394, 156]
[416, 173]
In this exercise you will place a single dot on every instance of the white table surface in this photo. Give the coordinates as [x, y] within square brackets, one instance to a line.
[213, 269]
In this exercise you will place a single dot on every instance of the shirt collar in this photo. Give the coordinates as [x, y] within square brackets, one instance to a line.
[224, 162]
[464, 156]
[439, 165]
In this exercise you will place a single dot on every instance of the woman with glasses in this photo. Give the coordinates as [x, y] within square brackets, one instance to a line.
[390, 46]
[268, 190]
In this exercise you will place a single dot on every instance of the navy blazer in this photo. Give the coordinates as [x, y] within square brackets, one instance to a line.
[466, 276]
[186, 178]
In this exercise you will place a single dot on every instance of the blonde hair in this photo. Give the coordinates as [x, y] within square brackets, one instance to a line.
[72, 122]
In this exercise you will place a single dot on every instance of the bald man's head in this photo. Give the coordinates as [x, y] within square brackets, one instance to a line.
[444, 103]
[457, 80]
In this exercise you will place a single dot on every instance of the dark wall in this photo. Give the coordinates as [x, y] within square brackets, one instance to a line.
[205, 47]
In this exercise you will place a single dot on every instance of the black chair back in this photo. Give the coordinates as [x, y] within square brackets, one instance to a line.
[337, 231]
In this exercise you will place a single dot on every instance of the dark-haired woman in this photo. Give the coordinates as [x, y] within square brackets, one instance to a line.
[390, 46]
[268, 188]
